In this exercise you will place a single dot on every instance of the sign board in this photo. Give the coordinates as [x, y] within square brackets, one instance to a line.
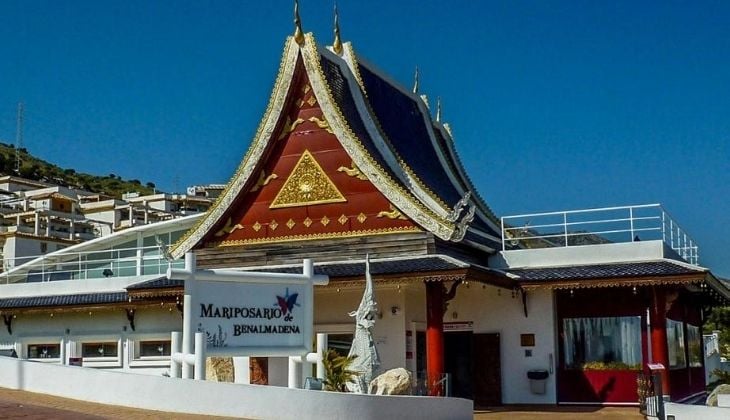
[458, 326]
[244, 313]
[253, 316]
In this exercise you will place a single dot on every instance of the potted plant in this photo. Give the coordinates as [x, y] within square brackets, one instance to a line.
[337, 371]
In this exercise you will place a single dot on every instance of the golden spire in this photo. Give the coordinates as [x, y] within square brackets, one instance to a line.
[415, 81]
[337, 44]
[298, 34]
[438, 109]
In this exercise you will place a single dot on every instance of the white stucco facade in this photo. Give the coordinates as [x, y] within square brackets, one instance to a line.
[494, 310]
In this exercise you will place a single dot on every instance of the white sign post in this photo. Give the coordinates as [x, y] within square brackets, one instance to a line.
[239, 313]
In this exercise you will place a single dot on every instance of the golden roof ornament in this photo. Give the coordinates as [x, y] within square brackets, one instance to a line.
[415, 81]
[298, 34]
[337, 44]
[438, 109]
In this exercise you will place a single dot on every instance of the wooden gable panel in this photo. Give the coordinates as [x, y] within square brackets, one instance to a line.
[252, 218]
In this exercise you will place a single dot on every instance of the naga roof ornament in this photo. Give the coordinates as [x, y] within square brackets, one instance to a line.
[298, 33]
[337, 43]
[415, 81]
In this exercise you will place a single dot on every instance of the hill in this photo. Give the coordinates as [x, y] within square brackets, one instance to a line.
[40, 170]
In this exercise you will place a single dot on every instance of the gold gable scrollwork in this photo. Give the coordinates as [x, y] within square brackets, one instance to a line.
[393, 213]
[289, 126]
[307, 184]
[321, 123]
[353, 171]
[228, 228]
[263, 181]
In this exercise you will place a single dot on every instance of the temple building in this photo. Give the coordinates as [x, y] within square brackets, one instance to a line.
[346, 163]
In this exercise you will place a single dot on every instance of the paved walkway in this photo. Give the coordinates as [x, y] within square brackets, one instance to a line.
[562, 412]
[31, 406]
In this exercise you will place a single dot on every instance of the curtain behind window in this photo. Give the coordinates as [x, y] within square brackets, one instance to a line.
[602, 342]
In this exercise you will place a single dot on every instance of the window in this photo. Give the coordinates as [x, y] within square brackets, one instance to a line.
[44, 351]
[154, 349]
[8, 353]
[675, 344]
[694, 345]
[99, 350]
[339, 342]
[602, 343]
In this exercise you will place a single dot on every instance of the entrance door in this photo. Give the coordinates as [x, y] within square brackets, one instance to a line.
[487, 382]
[458, 362]
[473, 360]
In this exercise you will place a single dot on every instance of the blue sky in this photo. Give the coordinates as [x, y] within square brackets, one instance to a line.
[554, 105]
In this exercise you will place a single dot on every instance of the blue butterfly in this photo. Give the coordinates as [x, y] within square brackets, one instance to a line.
[287, 302]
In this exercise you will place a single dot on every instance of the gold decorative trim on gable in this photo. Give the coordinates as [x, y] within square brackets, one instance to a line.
[307, 184]
[313, 236]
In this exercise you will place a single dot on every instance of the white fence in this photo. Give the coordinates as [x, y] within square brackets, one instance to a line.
[595, 226]
[695, 412]
[220, 399]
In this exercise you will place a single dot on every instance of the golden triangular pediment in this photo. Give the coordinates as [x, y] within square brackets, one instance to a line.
[307, 184]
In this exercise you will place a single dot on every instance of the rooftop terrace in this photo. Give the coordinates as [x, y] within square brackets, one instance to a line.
[609, 225]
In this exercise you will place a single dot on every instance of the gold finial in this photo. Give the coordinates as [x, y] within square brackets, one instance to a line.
[298, 34]
[438, 109]
[337, 44]
[415, 81]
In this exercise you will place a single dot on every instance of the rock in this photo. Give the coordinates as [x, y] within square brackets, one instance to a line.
[219, 369]
[393, 382]
[720, 389]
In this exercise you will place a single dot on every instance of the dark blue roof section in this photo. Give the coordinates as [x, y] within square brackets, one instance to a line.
[343, 96]
[63, 300]
[357, 269]
[159, 283]
[404, 125]
[455, 165]
[603, 271]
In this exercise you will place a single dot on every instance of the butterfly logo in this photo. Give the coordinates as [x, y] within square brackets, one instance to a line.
[287, 303]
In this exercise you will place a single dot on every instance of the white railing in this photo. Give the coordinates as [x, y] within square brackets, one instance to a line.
[712, 344]
[97, 264]
[597, 226]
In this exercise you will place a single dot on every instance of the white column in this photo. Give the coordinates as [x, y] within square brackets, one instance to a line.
[37, 227]
[63, 357]
[48, 225]
[199, 356]
[321, 348]
[293, 381]
[140, 254]
[186, 336]
[175, 347]
[72, 228]
[146, 213]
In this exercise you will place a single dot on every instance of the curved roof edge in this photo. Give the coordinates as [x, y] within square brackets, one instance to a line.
[105, 241]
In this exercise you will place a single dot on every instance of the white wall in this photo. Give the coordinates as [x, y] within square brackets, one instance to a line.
[220, 399]
[696, 412]
[332, 308]
[494, 310]
[72, 329]
[588, 254]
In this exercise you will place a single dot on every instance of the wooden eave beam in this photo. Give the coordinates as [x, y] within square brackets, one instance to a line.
[587, 283]
[83, 308]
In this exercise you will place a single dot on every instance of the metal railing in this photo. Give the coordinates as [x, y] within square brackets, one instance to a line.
[438, 385]
[96, 264]
[597, 226]
[649, 390]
